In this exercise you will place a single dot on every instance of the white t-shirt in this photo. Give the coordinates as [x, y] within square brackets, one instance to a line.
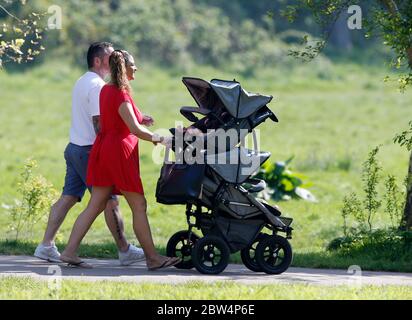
[85, 105]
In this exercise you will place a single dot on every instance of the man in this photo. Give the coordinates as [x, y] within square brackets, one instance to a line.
[84, 127]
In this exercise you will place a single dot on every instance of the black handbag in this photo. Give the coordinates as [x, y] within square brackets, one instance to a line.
[179, 183]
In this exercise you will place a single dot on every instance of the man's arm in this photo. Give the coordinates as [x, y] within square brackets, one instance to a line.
[94, 107]
[96, 124]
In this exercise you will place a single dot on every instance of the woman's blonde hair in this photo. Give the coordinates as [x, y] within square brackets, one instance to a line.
[117, 62]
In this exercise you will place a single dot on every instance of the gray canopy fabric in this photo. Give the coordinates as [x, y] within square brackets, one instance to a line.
[238, 102]
[236, 165]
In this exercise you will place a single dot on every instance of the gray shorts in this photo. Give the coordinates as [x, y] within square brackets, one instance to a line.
[77, 158]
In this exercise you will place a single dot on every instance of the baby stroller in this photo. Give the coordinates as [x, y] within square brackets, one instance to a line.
[220, 196]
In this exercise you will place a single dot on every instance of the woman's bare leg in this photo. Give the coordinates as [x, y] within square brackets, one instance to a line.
[83, 223]
[141, 227]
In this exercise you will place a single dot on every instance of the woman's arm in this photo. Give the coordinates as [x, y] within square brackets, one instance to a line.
[128, 116]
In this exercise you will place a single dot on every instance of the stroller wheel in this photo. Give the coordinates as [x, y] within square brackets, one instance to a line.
[248, 254]
[179, 245]
[210, 255]
[274, 254]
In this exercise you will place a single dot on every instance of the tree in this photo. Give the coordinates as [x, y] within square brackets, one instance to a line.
[20, 38]
[388, 20]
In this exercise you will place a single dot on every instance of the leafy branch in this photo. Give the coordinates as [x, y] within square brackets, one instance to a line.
[20, 38]
[404, 139]
[389, 20]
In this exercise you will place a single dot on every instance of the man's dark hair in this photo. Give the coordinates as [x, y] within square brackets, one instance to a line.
[96, 50]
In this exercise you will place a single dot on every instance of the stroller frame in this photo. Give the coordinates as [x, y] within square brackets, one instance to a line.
[218, 203]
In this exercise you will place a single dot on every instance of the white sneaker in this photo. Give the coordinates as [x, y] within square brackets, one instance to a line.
[49, 253]
[132, 255]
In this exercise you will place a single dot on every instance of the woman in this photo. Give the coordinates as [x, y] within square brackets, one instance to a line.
[114, 163]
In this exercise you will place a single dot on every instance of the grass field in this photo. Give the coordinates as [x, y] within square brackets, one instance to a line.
[330, 118]
[27, 288]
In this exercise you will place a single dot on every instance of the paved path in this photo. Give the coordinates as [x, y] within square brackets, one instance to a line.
[110, 270]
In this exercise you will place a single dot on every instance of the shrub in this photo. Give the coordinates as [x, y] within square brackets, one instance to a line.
[170, 33]
[363, 211]
[36, 196]
[361, 237]
[352, 206]
[395, 200]
[370, 177]
[390, 244]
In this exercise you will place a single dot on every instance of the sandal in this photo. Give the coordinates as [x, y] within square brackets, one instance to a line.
[167, 263]
[80, 264]
[76, 264]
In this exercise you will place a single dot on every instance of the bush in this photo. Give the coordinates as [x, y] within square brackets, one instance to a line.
[359, 214]
[364, 211]
[34, 204]
[352, 207]
[169, 33]
[390, 243]
[370, 177]
[395, 201]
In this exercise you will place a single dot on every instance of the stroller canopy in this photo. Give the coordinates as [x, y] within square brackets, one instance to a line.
[237, 101]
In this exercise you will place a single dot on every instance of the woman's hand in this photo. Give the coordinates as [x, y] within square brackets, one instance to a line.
[147, 121]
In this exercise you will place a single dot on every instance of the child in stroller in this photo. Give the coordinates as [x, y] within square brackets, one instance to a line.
[220, 196]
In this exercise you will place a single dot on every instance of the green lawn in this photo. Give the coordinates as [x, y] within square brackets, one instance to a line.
[27, 288]
[330, 118]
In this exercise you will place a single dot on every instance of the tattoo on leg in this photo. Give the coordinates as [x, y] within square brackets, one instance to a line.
[119, 232]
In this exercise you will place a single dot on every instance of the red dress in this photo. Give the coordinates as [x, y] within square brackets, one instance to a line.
[114, 158]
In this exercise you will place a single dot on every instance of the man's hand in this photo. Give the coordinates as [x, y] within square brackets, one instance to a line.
[147, 121]
[167, 142]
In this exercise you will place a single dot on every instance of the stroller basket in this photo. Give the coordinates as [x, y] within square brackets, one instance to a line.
[179, 183]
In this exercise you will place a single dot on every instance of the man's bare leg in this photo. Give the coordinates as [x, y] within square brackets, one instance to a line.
[114, 221]
[57, 215]
[128, 253]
